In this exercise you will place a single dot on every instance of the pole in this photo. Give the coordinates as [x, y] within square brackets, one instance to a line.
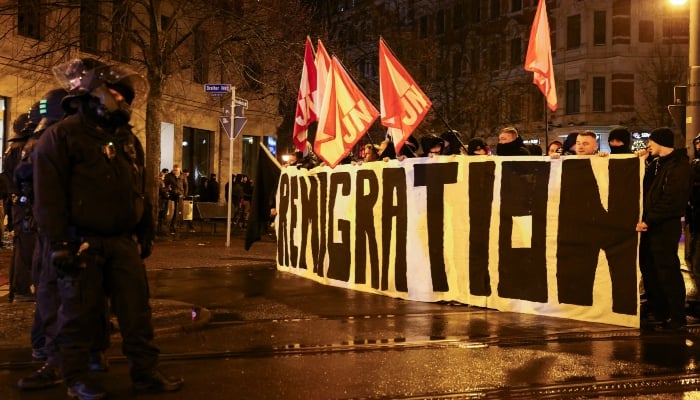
[692, 111]
[546, 128]
[230, 166]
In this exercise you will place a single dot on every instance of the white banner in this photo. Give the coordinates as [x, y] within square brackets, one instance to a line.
[523, 234]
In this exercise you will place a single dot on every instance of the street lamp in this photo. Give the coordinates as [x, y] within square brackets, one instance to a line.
[692, 108]
[692, 120]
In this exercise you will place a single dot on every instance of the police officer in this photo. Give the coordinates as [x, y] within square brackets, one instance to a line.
[91, 203]
[49, 111]
[22, 224]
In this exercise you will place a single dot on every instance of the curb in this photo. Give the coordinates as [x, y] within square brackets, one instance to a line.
[168, 317]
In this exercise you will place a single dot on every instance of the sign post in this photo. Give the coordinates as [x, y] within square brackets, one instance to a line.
[230, 168]
[219, 89]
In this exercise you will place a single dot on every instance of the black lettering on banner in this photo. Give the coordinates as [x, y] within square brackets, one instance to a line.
[434, 176]
[482, 176]
[394, 207]
[309, 219]
[323, 197]
[522, 271]
[294, 249]
[364, 225]
[338, 252]
[585, 228]
[282, 234]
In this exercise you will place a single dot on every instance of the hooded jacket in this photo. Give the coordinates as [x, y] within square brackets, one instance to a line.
[667, 183]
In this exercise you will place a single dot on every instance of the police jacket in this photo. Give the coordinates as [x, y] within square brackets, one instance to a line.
[90, 181]
[667, 183]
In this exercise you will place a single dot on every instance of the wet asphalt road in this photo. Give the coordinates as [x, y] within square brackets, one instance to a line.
[274, 335]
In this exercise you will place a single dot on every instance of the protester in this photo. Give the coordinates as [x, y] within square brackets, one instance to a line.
[477, 147]
[432, 145]
[569, 146]
[371, 153]
[454, 143]
[666, 192]
[510, 143]
[534, 149]
[554, 148]
[620, 141]
[93, 207]
[587, 144]
[692, 217]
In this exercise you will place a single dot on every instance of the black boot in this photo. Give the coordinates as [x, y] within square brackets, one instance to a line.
[156, 382]
[45, 377]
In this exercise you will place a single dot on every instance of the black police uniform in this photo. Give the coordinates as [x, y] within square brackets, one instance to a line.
[22, 224]
[90, 190]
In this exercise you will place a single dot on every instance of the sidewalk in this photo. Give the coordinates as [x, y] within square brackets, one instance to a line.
[186, 250]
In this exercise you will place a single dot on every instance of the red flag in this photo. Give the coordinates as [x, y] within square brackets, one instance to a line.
[539, 56]
[305, 113]
[345, 116]
[323, 65]
[403, 105]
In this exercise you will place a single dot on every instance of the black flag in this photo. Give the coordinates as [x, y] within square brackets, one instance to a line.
[264, 191]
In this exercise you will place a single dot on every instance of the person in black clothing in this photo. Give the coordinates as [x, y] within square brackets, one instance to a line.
[569, 146]
[174, 183]
[202, 193]
[93, 206]
[44, 327]
[666, 192]
[432, 145]
[213, 189]
[22, 221]
[510, 143]
[692, 217]
[619, 140]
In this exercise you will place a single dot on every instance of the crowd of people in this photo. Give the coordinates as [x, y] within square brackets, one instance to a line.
[671, 194]
[510, 143]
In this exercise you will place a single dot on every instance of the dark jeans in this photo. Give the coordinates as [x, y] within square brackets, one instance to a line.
[661, 270]
[23, 241]
[44, 328]
[114, 268]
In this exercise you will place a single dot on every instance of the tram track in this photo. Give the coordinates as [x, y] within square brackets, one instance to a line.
[622, 386]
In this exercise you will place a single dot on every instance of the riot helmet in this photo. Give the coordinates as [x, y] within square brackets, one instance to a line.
[19, 127]
[50, 108]
[110, 89]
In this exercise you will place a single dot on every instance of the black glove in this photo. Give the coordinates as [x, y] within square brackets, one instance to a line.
[63, 257]
[146, 248]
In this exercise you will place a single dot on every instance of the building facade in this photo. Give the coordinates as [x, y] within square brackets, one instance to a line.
[38, 35]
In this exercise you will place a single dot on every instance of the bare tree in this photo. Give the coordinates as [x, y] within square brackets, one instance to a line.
[175, 44]
[659, 73]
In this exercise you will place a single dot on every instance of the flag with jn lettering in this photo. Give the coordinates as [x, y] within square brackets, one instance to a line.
[305, 113]
[403, 105]
[345, 116]
[539, 56]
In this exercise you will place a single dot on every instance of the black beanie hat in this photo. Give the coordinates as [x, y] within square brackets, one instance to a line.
[663, 137]
[620, 133]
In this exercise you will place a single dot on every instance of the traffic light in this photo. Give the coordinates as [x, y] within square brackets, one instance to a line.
[677, 110]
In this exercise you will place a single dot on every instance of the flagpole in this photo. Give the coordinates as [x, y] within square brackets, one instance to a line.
[546, 128]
